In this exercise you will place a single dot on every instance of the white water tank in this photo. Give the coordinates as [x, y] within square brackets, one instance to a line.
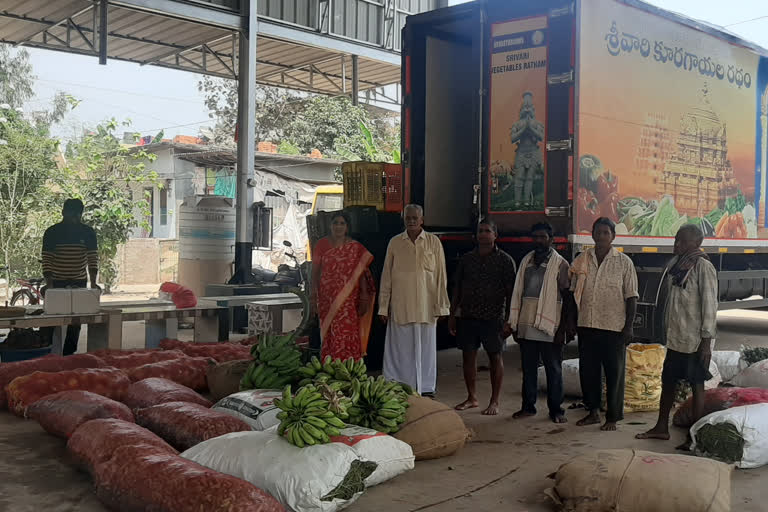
[206, 241]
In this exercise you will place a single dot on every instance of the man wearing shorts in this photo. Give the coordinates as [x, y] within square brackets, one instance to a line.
[691, 319]
[479, 309]
[539, 315]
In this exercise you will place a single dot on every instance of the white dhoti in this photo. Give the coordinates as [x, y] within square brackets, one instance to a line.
[410, 355]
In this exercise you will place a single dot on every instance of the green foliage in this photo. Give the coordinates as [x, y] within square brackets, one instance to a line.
[106, 176]
[302, 123]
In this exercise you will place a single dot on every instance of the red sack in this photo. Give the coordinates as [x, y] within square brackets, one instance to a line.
[117, 352]
[220, 352]
[184, 425]
[719, 399]
[24, 391]
[135, 481]
[181, 296]
[95, 442]
[9, 371]
[189, 372]
[61, 413]
[138, 359]
[156, 391]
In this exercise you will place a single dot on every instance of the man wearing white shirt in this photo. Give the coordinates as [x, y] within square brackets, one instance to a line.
[412, 297]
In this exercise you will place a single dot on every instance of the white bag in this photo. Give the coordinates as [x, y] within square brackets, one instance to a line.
[716, 379]
[755, 376]
[256, 407]
[728, 363]
[571, 381]
[300, 477]
[392, 456]
[752, 423]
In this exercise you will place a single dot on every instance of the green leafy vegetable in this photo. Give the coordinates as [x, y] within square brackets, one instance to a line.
[667, 221]
[715, 215]
[735, 204]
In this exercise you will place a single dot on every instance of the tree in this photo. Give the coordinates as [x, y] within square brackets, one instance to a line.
[27, 168]
[274, 108]
[301, 122]
[28, 202]
[106, 176]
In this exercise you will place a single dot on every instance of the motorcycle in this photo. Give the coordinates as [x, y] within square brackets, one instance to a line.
[294, 275]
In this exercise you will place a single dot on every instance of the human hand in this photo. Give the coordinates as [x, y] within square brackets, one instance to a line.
[452, 325]
[383, 319]
[627, 334]
[362, 307]
[559, 338]
[95, 286]
[705, 352]
[506, 330]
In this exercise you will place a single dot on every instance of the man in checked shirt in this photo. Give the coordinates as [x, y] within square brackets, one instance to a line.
[70, 256]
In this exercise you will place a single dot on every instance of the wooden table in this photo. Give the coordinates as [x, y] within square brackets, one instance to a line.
[102, 327]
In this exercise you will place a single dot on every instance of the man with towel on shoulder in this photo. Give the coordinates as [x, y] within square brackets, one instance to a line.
[539, 313]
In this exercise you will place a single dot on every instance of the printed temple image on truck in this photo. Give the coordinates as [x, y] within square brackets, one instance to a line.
[672, 128]
[518, 107]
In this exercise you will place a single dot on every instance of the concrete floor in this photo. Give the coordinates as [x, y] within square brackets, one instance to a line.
[503, 467]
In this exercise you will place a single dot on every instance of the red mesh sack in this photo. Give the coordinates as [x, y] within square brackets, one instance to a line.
[26, 390]
[189, 372]
[9, 371]
[719, 399]
[127, 361]
[136, 481]
[95, 442]
[183, 425]
[117, 352]
[220, 352]
[61, 413]
[155, 391]
[181, 296]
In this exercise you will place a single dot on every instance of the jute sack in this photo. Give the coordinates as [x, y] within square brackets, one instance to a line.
[637, 481]
[642, 384]
[432, 429]
[224, 378]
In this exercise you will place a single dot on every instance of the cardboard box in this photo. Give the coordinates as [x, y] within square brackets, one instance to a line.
[85, 301]
[58, 301]
[72, 301]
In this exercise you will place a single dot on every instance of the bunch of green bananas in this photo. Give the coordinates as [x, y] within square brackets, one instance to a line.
[378, 404]
[306, 419]
[276, 362]
[334, 371]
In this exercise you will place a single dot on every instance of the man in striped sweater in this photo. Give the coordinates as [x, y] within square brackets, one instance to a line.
[70, 256]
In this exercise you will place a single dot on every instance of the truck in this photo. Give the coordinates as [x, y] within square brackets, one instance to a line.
[566, 111]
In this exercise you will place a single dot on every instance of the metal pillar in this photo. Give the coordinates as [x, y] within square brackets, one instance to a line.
[246, 108]
[355, 80]
[103, 31]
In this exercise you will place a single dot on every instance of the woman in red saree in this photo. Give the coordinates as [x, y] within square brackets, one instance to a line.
[343, 292]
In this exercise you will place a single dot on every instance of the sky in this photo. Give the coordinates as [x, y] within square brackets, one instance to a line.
[154, 98]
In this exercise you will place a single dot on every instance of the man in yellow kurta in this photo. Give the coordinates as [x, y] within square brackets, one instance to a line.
[413, 296]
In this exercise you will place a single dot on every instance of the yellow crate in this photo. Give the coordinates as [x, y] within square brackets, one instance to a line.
[363, 184]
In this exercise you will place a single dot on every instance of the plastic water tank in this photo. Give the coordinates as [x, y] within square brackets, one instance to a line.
[206, 241]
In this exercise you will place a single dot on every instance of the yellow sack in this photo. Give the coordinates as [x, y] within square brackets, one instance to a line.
[642, 384]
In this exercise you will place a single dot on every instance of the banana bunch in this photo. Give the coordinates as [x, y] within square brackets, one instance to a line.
[306, 419]
[276, 362]
[334, 371]
[378, 404]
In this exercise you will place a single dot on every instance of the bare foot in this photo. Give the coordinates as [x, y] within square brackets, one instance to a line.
[469, 403]
[609, 426]
[559, 418]
[654, 433]
[523, 414]
[593, 418]
[492, 410]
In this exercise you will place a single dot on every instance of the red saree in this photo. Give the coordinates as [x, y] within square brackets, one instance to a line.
[343, 332]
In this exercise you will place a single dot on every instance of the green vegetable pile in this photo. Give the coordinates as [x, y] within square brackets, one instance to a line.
[335, 391]
[754, 355]
[276, 363]
[722, 442]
